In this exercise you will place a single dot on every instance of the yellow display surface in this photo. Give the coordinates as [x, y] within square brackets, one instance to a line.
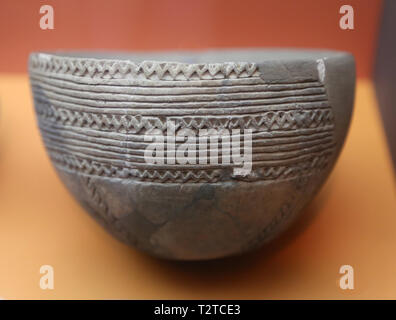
[352, 221]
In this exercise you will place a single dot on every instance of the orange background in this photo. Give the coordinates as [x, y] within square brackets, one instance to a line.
[186, 24]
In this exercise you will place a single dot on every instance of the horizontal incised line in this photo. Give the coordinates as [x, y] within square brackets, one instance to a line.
[112, 97]
[144, 165]
[50, 97]
[264, 141]
[239, 109]
[173, 91]
[118, 98]
[129, 148]
[151, 95]
[111, 156]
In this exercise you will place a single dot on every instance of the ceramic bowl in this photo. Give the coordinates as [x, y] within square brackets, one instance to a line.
[102, 118]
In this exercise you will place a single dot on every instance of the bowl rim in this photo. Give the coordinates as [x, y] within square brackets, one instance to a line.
[194, 57]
